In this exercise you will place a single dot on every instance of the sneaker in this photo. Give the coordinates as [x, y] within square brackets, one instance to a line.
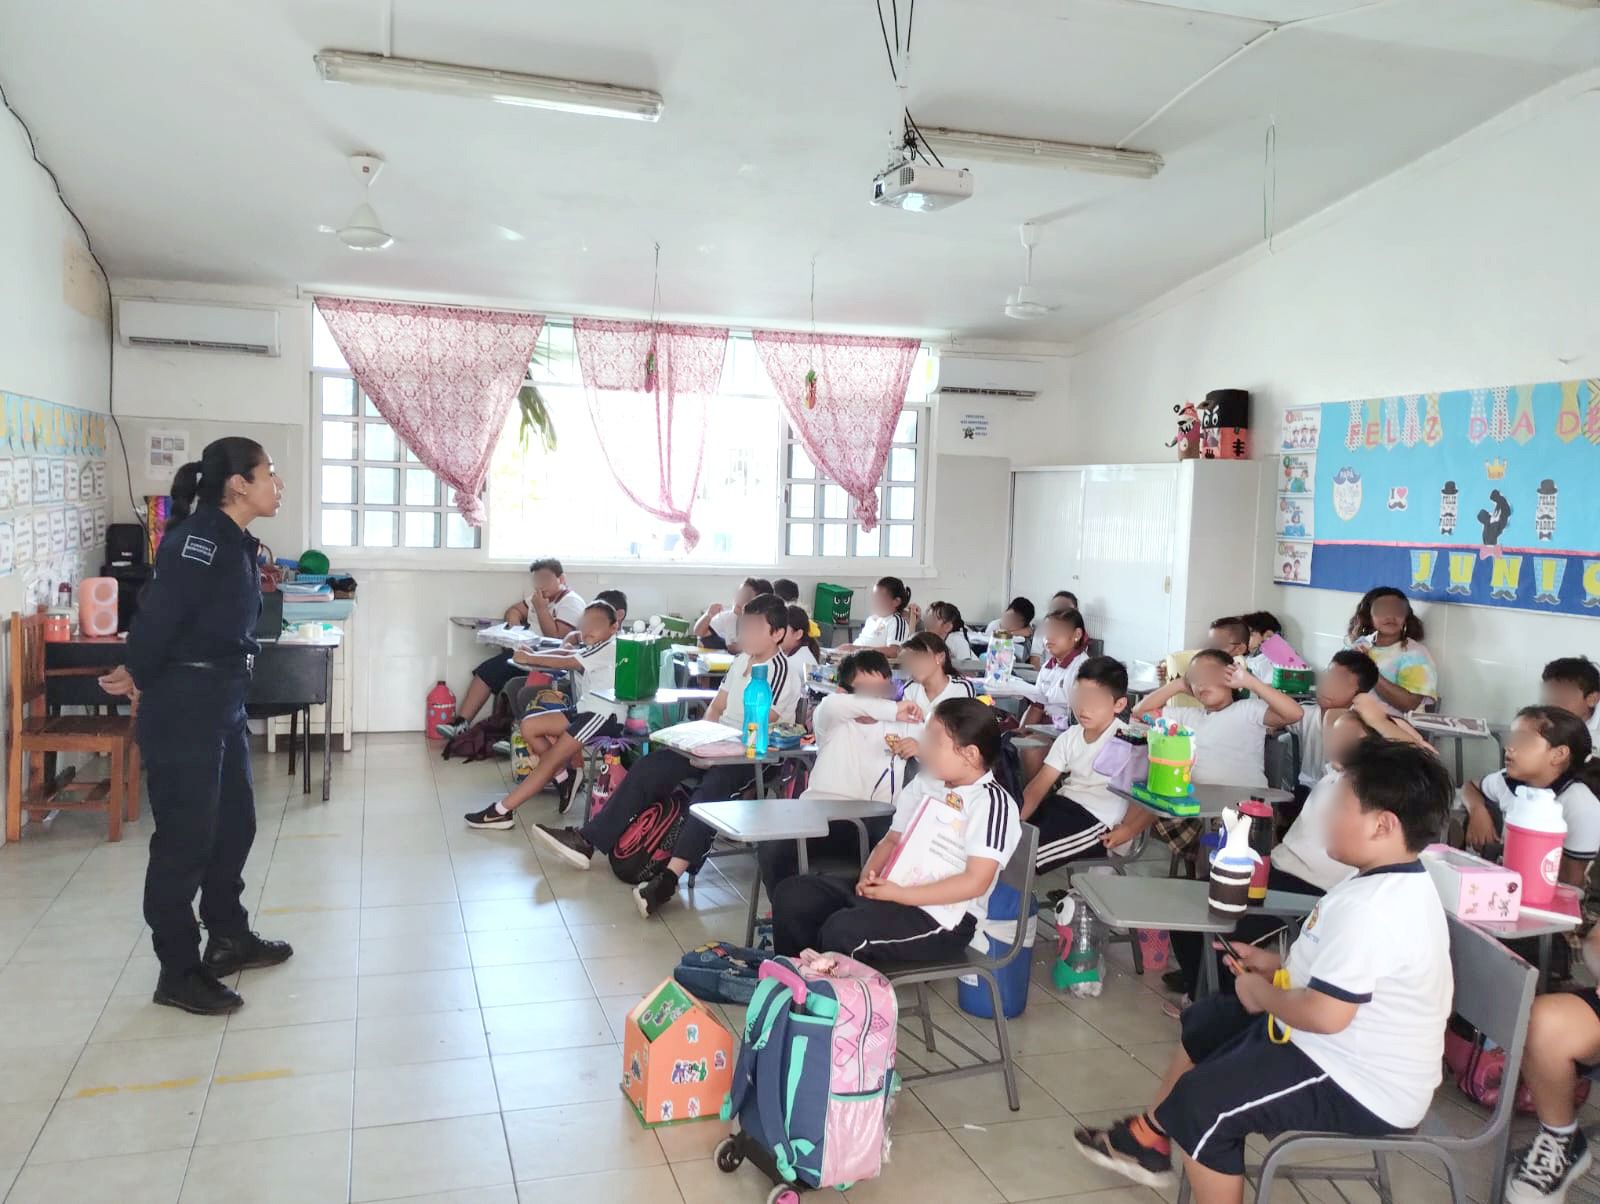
[449, 731]
[1172, 981]
[1173, 1009]
[1548, 1168]
[655, 892]
[566, 844]
[1132, 1149]
[227, 955]
[502, 748]
[490, 817]
[196, 991]
[566, 789]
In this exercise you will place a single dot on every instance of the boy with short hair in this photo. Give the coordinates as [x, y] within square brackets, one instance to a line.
[552, 608]
[556, 736]
[1069, 800]
[1361, 1021]
[1573, 684]
[719, 628]
[762, 628]
[1231, 634]
[788, 590]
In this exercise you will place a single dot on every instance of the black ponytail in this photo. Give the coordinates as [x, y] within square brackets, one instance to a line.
[800, 621]
[898, 590]
[201, 481]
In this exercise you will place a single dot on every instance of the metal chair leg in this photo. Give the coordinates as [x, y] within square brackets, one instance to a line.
[1385, 1187]
[925, 1009]
[1003, 1039]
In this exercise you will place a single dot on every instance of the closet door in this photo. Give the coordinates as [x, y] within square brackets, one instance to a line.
[1046, 514]
[1124, 575]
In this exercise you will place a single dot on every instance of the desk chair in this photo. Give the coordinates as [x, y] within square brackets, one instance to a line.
[35, 735]
[1494, 991]
[1018, 874]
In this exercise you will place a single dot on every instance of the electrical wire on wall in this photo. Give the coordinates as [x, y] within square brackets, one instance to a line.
[111, 340]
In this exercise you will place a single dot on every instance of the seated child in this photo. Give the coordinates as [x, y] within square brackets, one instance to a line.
[1547, 747]
[551, 607]
[854, 758]
[1230, 746]
[926, 661]
[614, 598]
[763, 627]
[799, 647]
[887, 626]
[876, 920]
[1573, 684]
[1263, 625]
[1062, 599]
[1231, 635]
[1389, 631]
[1065, 643]
[557, 736]
[1017, 622]
[1563, 1043]
[1364, 1018]
[719, 628]
[945, 621]
[1068, 800]
[1347, 675]
[788, 590]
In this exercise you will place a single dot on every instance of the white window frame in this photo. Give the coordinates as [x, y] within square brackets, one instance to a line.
[478, 558]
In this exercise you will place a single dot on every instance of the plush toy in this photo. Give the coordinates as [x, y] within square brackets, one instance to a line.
[1187, 440]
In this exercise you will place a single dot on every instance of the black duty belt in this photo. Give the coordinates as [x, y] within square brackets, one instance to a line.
[244, 661]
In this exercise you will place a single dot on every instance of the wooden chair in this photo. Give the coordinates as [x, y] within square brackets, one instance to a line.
[35, 734]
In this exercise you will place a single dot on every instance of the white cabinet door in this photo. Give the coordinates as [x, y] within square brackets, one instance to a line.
[1125, 566]
[1046, 511]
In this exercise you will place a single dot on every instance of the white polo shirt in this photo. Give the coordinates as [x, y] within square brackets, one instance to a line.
[990, 825]
[1074, 757]
[853, 761]
[1309, 729]
[959, 687]
[785, 683]
[725, 624]
[1230, 744]
[883, 631]
[568, 608]
[1380, 940]
[960, 649]
[1578, 805]
[1303, 851]
[1055, 683]
[802, 662]
[599, 672]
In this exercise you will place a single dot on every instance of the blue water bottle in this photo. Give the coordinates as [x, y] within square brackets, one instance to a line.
[757, 712]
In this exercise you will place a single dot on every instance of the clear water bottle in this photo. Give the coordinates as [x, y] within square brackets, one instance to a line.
[1077, 970]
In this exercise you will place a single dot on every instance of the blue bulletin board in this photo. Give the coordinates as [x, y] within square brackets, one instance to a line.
[1485, 496]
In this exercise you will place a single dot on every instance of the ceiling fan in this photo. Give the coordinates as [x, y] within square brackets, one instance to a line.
[1026, 304]
[362, 230]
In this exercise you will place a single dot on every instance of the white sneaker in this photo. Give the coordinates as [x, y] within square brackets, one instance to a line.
[1548, 1168]
[448, 731]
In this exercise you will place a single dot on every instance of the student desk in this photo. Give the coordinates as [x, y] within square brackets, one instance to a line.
[1176, 905]
[1214, 800]
[755, 821]
[731, 752]
[665, 697]
[1542, 928]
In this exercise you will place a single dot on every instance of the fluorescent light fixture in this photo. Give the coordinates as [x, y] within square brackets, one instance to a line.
[1037, 152]
[481, 83]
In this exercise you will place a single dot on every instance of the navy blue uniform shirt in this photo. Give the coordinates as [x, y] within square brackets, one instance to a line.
[204, 600]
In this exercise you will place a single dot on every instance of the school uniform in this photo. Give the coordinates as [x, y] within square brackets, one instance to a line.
[826, 914]
[1081, 809]
[568, 608]
[1377, 1076]
[958, 687]
[802, 661]
[1230, 744]
[1260, 667]
[853, 762]
[1055, 682]
[1303, 851]
[1578, 805]
[664, 769]
[593, 717]
[1309, 732]
[725, 626]
[884, 631]
[497, 671]
[960, 649]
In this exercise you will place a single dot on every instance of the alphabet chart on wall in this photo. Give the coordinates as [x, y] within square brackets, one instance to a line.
[54, 506]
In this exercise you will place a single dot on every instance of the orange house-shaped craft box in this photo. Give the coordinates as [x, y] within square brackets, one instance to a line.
[677, 1060]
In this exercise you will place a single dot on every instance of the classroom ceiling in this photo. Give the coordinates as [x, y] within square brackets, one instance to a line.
[199, 144]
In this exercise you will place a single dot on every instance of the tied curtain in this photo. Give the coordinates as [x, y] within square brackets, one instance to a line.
[647, 385]
[441, 376]
[843, 394]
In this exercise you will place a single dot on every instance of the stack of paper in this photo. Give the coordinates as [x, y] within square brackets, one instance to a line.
[686, 737]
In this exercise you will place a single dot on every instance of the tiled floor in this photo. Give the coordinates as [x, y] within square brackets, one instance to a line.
[448, 1028]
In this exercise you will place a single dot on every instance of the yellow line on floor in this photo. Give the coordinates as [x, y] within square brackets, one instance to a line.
[163, 1085]
[255, 1076]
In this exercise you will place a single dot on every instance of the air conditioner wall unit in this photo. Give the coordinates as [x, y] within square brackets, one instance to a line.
[963, 375]
[188, 327]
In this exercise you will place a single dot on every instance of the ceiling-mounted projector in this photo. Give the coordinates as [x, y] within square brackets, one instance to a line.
[921, 187]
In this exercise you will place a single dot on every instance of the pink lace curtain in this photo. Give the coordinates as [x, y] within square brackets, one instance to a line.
[442, 377]
[845, 413]
[647, 386]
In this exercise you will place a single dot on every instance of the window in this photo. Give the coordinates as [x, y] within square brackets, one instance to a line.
[760, 501]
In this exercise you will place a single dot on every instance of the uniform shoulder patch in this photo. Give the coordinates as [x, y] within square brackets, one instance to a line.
[202, 550]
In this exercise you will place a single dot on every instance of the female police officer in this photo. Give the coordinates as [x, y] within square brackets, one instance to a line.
[190, 655]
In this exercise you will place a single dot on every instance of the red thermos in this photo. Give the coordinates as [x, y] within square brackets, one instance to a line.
[441, 708]
[1263, 835]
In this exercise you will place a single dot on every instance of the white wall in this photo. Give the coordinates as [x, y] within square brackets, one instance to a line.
[53, 322]
[1473, 267]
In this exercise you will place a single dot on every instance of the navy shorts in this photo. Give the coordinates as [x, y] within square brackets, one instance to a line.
[1242, 1084]
[585, 726]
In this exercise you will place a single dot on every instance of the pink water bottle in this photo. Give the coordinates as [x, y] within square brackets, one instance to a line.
[441, 708]
[1536, 828]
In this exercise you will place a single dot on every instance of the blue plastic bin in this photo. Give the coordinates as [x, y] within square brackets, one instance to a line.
[972, 993]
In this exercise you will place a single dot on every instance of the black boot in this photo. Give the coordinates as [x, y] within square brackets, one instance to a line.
[227, 955]
[196, 991]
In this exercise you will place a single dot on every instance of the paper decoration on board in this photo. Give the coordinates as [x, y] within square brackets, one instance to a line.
[41, 480]
[1296, 516]
[8, 557]
[1297, 473]
[58, 532]
[100, 524]
[1483, 496]
[22, 483]
[58, 479]
[86, 528]
[7, 465]
[72, 471]
[73, 529]
[166, 451]
[1292, 563]
[974, 426]
[99, 478]
[1300, 429]
[41, 536]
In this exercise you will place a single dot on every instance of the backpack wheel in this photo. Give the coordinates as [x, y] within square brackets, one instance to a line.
[728, 1157]
[783, 1194]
